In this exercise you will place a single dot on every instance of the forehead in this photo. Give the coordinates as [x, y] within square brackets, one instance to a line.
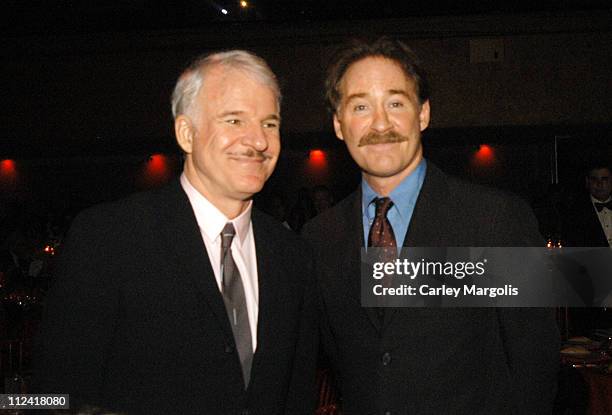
[375, 73]
[599, 173]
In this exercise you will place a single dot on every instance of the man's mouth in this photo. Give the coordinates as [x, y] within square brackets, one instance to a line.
[250, 155]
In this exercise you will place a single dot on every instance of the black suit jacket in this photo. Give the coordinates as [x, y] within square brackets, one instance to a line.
[135, 321]
[434, 360]
[582, 226]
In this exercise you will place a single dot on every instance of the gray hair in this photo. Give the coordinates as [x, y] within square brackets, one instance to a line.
[191, 80]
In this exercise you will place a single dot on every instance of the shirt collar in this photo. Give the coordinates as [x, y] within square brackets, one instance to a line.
[599, 201]
[403, 196]
[210, 219]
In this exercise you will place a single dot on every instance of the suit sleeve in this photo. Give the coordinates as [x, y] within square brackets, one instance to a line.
[79, 317]
[530, 335]
[301, 396]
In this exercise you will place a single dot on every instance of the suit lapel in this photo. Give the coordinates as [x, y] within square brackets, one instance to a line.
[429, 220]
[270, 274]
[184, 240]
[351, 256]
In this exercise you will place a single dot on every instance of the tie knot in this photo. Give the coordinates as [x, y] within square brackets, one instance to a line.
[227, 235]
[383, 204]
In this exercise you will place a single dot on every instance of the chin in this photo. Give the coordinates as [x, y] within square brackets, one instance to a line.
[383, 170]
[251, 186]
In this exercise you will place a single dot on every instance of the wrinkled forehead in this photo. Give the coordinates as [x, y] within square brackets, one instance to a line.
[375, 70]
[225, 86]
[223, 76]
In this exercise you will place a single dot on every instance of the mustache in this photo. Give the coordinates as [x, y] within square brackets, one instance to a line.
[375, 138]
[254, 154]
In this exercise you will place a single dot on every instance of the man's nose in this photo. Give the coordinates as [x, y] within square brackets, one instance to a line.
[381, 122]
[256, 138]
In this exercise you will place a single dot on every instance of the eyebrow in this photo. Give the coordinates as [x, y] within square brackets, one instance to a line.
[226, 113]
[272, 117]
[398, 92]
[358, 95]
[229, 113]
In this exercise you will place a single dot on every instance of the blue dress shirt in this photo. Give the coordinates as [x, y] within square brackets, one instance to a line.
[404, 197]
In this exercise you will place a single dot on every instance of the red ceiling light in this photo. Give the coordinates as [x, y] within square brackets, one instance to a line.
[156, 170]
[485, 155]
[157, 164]
[8, 167]
[317, 158]
[8, 175]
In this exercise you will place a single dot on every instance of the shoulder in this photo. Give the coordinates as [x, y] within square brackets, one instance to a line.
[489, 215]
[138, 209]
[337, 217]
[270, 228]
[483, 196]
[264, 222]
[471, 196]
[580, 205]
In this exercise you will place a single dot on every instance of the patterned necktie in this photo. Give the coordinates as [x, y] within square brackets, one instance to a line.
[235, 303]
[381, 233]
[382, 237]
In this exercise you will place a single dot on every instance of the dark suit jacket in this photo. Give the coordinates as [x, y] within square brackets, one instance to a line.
[136, 322]
[434, 360]
[582, 226]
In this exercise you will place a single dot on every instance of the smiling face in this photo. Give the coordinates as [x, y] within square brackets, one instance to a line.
[230, 138]
[380, 120]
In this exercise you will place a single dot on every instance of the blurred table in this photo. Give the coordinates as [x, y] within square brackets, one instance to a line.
[599, 391]
[585, 385]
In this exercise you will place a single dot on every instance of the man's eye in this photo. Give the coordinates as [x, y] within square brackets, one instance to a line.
[359, 107]
[233, 121]
[396, 104]
[271, 124]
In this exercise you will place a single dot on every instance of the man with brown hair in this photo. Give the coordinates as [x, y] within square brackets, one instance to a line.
[418, 360]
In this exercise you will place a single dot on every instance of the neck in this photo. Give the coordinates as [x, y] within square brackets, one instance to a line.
[385, 185]
[230, 207]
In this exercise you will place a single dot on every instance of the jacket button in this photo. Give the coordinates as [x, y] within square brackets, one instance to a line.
[386, 359]
[229, 348]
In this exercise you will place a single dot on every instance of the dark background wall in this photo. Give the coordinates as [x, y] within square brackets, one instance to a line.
[82, 113]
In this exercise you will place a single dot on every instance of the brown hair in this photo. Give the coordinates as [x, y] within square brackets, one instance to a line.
[385, 47]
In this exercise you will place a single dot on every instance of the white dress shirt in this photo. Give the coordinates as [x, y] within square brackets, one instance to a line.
[605, 218]
[211, 222]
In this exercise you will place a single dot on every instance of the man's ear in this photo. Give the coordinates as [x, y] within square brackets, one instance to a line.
[424, 115]
[185, 133]
[337, 127]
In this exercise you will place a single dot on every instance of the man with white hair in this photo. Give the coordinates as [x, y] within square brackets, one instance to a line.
[186, 299]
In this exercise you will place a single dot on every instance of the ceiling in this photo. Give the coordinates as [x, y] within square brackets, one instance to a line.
[84, 100]
[28, 17]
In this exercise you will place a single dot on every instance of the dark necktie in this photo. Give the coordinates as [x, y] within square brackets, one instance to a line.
[601, 206]
[235, 302]
[382, 237]
[381, 233]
